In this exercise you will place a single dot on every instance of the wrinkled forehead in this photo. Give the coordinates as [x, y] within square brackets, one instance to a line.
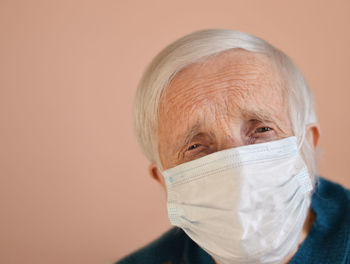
[217, 97]
[233, 80]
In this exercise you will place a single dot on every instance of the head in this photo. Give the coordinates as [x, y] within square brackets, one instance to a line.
[219, 89]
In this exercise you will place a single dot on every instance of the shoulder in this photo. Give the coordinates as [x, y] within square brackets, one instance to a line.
[331, 189]
[331, 202]
[332, 197]
[168, 248]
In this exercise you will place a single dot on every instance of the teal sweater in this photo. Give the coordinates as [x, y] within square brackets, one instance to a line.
[327, 242]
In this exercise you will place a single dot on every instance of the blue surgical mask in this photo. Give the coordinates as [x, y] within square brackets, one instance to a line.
[242, 205]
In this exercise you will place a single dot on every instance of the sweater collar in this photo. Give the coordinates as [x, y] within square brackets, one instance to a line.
[328, 239]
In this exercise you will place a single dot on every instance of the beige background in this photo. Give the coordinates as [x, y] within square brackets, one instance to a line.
[74, 186]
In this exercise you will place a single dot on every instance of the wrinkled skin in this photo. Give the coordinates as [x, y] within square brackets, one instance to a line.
[233, 99]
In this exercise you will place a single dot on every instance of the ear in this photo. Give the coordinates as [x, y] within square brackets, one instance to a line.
[313, 134]
[155, 174]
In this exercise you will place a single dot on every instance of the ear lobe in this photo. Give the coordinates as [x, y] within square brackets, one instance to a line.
[313, 134]
[156, 174]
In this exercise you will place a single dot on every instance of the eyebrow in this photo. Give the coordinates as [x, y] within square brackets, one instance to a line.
[259, 115]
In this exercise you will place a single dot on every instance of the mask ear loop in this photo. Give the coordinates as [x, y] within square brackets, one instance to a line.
[300, 144]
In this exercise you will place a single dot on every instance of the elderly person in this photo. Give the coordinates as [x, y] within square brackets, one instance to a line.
[228, 124]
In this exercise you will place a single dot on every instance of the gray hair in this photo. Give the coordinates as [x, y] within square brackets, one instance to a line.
[197, 47]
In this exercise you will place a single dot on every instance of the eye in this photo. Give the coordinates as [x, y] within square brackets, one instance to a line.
[194, 146]
[262, 129]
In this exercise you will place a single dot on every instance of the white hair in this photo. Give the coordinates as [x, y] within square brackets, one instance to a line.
[197, 47]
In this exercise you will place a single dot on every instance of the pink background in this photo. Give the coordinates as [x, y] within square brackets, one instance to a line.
[74, 186]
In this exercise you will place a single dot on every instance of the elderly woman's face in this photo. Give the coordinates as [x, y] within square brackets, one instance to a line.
[230, 100]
